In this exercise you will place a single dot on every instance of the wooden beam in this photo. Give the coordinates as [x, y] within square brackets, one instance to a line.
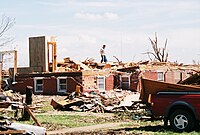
[54, 55]
[0, 74]
[32, 116]
[10, 132]
[15, 64]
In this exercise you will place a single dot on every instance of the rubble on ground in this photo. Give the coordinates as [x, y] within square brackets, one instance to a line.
[108, 101]
[11, 102]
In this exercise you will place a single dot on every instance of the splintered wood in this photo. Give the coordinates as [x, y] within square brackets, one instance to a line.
[97, 102]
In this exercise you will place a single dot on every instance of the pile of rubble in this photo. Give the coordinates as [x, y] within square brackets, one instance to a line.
[12, 102]
[108, 101]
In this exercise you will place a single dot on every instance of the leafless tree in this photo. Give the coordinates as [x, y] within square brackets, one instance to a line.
[5, 24]
[159, 54]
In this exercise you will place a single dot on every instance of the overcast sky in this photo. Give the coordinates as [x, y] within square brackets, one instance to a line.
[83, 26]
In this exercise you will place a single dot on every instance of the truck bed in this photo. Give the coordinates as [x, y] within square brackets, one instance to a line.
[151, 87]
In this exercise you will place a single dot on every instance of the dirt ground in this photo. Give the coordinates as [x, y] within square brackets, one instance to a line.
[100, 129]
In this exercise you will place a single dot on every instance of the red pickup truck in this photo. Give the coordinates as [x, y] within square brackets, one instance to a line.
[181, 109]
[178, 104]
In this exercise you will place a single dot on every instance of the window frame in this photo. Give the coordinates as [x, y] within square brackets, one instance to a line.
[36, 85]
[126, 82]
[100, 83]
[58, 84]
[159, 77]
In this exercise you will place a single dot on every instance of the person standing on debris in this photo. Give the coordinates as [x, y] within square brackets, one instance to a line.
[103, 54]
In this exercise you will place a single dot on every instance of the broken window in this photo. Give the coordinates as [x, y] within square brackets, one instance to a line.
[101, 82]
[62, 84]
[38, 83]
[125, 82]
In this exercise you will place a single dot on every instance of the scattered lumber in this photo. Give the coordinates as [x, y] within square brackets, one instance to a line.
[14, 101]
[97, 102]
[11, 132]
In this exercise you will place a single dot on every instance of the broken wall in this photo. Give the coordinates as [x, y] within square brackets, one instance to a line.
[166, 72]
[21, 84]
[90, 80]
[49, 82]
[170, 76]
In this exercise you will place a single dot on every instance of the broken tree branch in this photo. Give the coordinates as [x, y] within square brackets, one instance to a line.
[159, 53]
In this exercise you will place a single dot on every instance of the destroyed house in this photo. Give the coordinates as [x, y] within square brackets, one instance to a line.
[166, 72]
[159, 71]
[60, 83]
[128, 77]
[98, 81]
[49, 76]
[49, 83]
[42, 73]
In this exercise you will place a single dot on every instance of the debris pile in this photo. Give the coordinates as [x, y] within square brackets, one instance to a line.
[109, 101]
[10, 99]
[12, 102]
[192, 80]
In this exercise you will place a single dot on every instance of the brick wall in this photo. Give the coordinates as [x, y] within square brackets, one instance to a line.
[169, 77]
[21, 85]
[109, 82]
[71, 85]
[150, 75]
[50, 86]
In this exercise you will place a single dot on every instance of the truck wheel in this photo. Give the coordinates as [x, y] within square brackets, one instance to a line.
[182, 120]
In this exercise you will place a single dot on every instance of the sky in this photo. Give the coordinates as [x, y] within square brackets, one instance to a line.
[81, 27]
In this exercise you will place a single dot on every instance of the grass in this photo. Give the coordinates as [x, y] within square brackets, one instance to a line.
[142, 126]
[46, 107]
[63, 121]
[66, 120]
[150, 128]
[57, 121]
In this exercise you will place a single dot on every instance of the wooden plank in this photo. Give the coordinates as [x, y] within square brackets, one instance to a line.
[0, 74]
[10, 132]
[37, 52]
[5, 104]
[32, 116]
[15, 64]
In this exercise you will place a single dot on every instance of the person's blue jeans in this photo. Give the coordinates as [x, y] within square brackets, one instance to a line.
[103, 58]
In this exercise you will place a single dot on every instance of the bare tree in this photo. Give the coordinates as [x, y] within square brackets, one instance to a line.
[159, 54]
[5, 24]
